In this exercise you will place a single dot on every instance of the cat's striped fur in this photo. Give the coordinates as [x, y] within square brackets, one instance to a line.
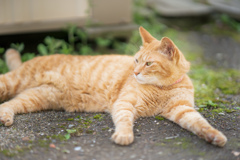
[156, 83]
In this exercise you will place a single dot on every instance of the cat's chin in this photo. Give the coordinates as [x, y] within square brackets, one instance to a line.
[143, 82]
[139, 80]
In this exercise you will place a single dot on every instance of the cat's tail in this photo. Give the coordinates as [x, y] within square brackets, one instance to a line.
[13, 59]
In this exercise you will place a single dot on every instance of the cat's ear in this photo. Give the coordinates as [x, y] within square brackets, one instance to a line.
[145, 35]
[168, 48]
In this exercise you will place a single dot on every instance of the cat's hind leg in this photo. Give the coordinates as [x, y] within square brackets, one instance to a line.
[31, 100]
[11, 84]
[188, 118]
[5, 81]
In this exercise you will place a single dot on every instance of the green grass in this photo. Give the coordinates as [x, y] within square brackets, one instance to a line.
[98, 116]
[160, 118]
[210, 83]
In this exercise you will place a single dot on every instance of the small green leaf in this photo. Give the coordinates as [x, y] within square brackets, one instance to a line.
[18, 46]
[2, 50]
[49, 40]
[42, 49]
[89, 131]
[211, 103]
[230, 110]
[27, 56]
[3, 66]
[219, 110]
[71, 131]
[65, 151]
[85, 50]
[202, 106]
[103, 42]
[70, 119]
[201, 110]
[98, 116]
[159, 118]
[67, 136]
[82, 36]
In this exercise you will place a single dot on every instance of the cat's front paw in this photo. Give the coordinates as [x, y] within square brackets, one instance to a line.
[6, 116]
[123, 138]
[214, 136]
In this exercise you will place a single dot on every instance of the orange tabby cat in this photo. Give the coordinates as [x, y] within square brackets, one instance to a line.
[152, 82]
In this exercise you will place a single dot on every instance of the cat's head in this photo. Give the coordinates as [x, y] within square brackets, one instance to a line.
[159, 62]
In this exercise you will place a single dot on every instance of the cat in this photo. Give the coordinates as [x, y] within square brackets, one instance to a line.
[152, 82]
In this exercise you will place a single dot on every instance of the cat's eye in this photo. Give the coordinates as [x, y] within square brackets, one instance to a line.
[136, 60]
[149, 63]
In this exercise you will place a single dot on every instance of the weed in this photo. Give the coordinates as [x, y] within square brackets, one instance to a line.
[27, 56]
[57, 137]
[87, 122]
[214, 107]
[52, 45]
[3, 67]
[69, 132]
[67, 136]
[89, 131]
[70, 119]
[106, 128]
[18, 46]
[43, 143]
[230, 22]
[98, 116]
[1, 50]
[159, 118]
[8, 153]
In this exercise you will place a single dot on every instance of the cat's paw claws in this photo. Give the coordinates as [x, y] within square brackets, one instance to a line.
[123, 138]
[6, 117]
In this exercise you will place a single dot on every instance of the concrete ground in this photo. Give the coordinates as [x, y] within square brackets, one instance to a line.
[39, 136]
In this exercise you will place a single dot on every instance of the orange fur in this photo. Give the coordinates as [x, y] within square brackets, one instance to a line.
[156, 83]
[13, 59]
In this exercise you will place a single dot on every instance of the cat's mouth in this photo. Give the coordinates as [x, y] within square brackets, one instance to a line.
[140, 79]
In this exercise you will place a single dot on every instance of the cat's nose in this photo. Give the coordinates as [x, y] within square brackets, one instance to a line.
[136, 73]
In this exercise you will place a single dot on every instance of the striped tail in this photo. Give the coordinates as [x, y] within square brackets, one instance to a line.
[13, 59]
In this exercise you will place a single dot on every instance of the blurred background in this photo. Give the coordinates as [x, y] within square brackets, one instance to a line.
[206, 31]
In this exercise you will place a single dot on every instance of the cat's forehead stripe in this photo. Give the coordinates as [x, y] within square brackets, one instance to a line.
[147, 50]
[145, 56]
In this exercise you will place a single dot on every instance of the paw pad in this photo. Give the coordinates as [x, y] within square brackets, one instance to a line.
[122, 138]
[6, 116]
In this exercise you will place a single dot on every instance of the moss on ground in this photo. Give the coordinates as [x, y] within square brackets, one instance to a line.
[179, 144]
[159, 118]
[57, 137]
[15, 151]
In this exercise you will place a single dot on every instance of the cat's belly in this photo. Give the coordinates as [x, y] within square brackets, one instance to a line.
[86, 102]
[95, 82]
